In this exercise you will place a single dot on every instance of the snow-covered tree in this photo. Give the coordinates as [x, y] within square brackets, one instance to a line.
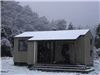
[5, 47]
[58, 24]
[5, 42]
[70, 26]
[97, 38]
[61, 24]
[42, 24]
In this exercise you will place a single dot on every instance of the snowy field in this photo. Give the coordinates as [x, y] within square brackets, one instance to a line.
[7, 68]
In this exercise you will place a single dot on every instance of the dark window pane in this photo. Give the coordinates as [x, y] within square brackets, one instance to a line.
[22, 45]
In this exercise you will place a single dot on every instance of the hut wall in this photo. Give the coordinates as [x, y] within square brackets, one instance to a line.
[88, 49]
[19, 56]
[79, 51]
[30, 53]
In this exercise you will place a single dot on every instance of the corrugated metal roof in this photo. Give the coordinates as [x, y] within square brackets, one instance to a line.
[54, 35]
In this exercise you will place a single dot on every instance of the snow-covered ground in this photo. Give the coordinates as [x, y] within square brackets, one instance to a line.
[7, 68]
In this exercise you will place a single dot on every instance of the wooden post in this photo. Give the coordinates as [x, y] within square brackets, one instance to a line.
[35, 52]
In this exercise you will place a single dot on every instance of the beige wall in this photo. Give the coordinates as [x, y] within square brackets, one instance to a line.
[83, 48]
[19, 56]
[79, 50]
[29, 56]
[32, 52]
[88, 47]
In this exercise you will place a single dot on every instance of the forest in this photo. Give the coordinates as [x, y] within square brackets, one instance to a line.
[16, 19]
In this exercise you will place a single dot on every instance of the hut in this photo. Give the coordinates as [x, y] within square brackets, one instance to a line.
[69, 50]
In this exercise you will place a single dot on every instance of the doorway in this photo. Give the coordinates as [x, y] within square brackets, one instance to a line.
[46, 52]
[65, 53]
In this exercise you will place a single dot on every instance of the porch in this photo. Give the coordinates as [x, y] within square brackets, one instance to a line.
[59, 55]
[55, 52]
[63, 68]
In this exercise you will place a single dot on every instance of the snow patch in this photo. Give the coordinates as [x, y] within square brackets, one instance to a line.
[8, 68]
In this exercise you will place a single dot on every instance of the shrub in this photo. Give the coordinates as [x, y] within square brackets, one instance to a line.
[5, 47]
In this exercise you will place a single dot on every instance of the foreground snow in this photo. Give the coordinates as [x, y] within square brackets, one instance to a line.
[9, 69]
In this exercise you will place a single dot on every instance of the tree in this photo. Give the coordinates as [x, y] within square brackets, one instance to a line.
[70, 27]
[58, 25]
[98, 30]
[5, 31]
[97, 38]
[42, 24]
[61, 24]
[5, 47]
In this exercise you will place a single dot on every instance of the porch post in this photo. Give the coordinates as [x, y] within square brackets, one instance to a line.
[35, 52]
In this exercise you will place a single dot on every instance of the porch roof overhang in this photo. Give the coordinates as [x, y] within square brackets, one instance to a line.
[54, 35]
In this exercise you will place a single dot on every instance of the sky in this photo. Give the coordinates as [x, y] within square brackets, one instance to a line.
[77, 12]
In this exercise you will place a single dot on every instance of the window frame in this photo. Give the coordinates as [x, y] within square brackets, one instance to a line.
[25, 45]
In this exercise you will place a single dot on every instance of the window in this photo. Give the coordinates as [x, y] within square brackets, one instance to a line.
[22, 45]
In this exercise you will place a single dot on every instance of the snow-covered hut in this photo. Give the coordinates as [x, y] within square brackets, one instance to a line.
[55, 50]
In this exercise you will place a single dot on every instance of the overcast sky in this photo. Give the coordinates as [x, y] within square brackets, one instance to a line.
[79, 13]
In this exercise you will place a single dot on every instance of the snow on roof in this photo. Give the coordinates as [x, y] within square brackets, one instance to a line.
[26, 34]
[52, 35]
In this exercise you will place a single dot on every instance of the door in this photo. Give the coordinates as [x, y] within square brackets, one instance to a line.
[44, 52]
